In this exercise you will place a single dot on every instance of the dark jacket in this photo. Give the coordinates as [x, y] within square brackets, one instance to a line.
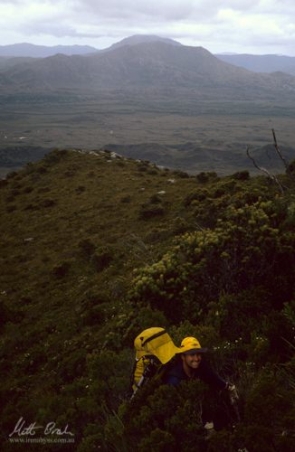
[175, 374]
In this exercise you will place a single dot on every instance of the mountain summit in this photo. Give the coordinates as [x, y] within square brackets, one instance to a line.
[146, 65]
[140, 39]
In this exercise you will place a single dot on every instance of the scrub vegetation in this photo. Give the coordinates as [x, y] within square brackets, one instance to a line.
[97, 247]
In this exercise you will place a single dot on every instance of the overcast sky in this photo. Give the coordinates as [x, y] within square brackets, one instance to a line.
[240, 26]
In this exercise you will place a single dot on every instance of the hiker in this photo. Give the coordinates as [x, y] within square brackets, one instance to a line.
[191, 364]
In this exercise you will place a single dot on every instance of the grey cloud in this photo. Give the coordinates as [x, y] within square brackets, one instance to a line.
[178, 10]
[199, 22]
[12, 2]
[153, 9]
[49, 28]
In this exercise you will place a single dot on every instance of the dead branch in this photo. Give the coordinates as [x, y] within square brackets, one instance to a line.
[270, 176]
[278, 149]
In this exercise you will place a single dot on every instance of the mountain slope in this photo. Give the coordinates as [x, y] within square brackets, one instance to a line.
[8, 62]
[150, 65]
[140, 39]
[80, 233]
[261, 63]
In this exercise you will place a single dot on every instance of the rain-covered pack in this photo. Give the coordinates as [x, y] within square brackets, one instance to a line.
[154, 348]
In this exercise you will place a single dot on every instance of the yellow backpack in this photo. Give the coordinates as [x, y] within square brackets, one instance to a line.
[153, 349]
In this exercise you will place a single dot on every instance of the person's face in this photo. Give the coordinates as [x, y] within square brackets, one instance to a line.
[192, 360]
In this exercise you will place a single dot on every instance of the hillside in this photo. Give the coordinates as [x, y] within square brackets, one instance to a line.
[147, 67]
[220, 156]
[140, 39]
[149, 98]
[95, 248]
[262, 63]
[8, 62]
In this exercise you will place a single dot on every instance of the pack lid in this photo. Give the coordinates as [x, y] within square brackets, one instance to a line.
[156, 341]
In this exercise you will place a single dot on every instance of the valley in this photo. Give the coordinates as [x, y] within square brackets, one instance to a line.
[189, 134]
[176, 106]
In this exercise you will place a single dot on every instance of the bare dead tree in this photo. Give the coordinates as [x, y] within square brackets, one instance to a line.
[269, 175]
[278, 150]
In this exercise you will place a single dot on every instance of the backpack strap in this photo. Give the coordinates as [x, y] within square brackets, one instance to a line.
[149, 372]
[151, 338]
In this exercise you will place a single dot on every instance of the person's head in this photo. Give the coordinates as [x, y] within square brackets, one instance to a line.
[191, 353]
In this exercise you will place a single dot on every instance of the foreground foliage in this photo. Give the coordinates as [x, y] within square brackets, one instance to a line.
[96, 248]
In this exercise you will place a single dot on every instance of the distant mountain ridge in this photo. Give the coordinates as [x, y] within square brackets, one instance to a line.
[139, 39]
[38, 51]
[261, 63]
[153, 65]
[255, 63]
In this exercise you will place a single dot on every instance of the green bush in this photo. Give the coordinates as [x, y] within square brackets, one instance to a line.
[149, 211]
[245, 250]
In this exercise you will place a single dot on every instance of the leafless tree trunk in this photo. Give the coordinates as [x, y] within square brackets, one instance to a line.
[278, 150]
[270, 176]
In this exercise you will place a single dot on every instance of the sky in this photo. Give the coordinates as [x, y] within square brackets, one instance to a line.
[227, 26]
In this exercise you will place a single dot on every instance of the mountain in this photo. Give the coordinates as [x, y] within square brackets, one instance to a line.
[8, 62]
[147, 67]
[139, 39]
[37, 51]
[261, 63]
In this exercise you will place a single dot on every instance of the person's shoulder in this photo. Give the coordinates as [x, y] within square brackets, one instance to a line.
[173, 371]
[173, 364]
[205, 365]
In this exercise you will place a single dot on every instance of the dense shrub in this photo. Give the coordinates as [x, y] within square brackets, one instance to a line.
[241, 175]
[102, 258]
[217, 263]
[150, 211]
[61, 270]
[244, 251]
